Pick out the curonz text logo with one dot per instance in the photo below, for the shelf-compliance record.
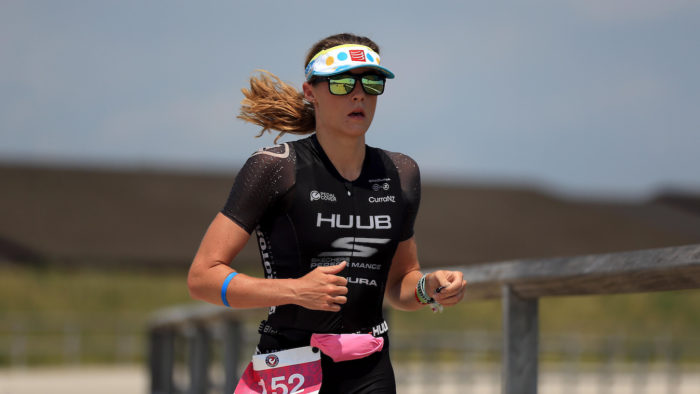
(322, 196)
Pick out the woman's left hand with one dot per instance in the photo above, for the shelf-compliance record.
(450, 283)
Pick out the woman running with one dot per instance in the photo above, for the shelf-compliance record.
(334, 222)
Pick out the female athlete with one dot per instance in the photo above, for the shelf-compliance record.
(334, 221)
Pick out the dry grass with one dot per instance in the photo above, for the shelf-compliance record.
(100, 217)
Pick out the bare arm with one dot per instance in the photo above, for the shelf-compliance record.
(405, 273)
(403, 277)
(320, 289)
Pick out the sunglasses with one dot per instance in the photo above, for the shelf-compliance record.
(342, 84)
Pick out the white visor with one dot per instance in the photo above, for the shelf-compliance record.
(342, 58)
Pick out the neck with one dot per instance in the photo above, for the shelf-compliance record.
(346, 154)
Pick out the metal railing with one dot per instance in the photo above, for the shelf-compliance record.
(32, 338)
(520, 284)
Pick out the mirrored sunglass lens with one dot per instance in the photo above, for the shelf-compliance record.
(341, 85)
(373, 84)
(373, 77)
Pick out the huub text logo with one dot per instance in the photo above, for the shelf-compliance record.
(380, 222)
(323, 196)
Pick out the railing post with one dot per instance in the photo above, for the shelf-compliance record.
(520, 346)
(161, 360)
(233, 338)
(199, 344)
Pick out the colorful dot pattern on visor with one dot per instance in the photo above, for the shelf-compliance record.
(343, 58)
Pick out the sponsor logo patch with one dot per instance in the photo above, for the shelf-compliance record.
(322, 196)
(380, 329)
(272, 360)
(379, 222)
(380, 186)
(382, 199)
(356, 247)
(327, 261)
(266, 255)
(368, 266)
(362, 281)
(357, 55)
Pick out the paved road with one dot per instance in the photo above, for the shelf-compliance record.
(412, 379)
(82, 380)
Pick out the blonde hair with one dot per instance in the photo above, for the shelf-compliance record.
(276, 105)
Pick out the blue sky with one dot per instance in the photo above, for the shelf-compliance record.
(582, 97)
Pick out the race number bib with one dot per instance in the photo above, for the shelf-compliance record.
(293, 371)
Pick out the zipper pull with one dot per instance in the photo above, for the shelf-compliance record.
(348, 187)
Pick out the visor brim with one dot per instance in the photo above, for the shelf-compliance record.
(385, 71)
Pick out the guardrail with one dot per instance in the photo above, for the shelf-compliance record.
(522, 283)
(519, 283)
(199, 325)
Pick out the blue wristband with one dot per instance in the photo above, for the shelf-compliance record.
(224, 287)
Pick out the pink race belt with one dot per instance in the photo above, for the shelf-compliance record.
(299, 370)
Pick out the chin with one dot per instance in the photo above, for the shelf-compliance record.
(355, 132)
(356, 128)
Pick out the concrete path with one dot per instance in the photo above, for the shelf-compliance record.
(411, 379)
(74, 380)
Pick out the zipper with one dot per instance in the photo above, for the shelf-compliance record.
(353, 211)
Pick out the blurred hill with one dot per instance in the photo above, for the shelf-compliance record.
(155, 219)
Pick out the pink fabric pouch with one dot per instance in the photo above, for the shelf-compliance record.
(344, 347)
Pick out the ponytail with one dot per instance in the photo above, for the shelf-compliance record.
(275, 105)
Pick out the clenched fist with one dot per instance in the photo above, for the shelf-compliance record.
(322, 289)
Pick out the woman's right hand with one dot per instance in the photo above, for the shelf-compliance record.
(322, 289)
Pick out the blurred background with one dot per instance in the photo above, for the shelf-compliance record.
(542, 129)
